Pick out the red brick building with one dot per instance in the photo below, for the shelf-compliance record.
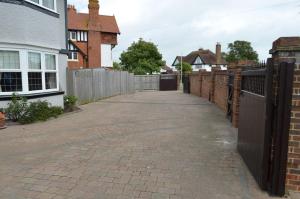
(91, 37)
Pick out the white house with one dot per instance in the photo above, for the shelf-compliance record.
(33, 55)
(203, 59)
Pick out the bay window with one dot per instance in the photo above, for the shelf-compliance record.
(50, 72)
(27, 72)
(35, 71)
(10, 72)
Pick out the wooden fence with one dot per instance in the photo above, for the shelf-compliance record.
(146, 82)
(90, 85)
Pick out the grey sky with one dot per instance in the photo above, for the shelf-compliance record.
(181, 26)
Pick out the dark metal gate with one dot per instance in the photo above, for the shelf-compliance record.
(230, 96)
(186, 83)
(264, 124)
(168, 82)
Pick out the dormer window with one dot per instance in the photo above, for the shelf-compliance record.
(47, 4)
(198, 61)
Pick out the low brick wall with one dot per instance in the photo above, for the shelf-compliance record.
(206, 85)
(195, 84)
(213, 86)
(221, 89)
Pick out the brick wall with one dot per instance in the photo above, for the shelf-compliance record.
(293, 166)
(212, 86)
(206, 85)
(221, 89)
(195, 84)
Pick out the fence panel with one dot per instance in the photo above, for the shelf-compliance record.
(90, 85)
(146, 82)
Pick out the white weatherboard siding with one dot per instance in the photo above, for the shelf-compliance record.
(106, 55)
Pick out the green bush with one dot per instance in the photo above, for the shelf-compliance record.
(70, 102)
(40, 111)
(19, 110)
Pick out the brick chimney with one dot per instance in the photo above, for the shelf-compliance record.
(218, 54)
(93, 10)
(72, 9)
(94, 35)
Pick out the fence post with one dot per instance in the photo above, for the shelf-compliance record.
(236, 97)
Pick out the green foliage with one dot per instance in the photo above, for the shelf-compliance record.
(19, 110)
(117, 66)
(70, 102)
(40, 111)
(142, 58)
(186, 67)
(241, 50)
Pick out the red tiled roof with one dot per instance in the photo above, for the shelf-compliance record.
(79, 21)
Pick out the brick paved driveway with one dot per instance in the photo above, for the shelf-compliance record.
(148, 145)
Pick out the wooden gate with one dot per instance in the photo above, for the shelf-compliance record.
(168, 82)
(264, 124)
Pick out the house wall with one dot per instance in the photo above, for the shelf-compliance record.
(57, 100)
(106, 55)
(109, 38)
(80, 63)
(24, 25)
(31, 28)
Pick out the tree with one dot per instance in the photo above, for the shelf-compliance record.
(186, 67)
(241, 50)
(117, 66)
(142, 58)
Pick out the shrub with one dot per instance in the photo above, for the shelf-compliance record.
(70, 102)
(17, 108)
(40, 111)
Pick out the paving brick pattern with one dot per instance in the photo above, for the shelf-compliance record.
(150, 145)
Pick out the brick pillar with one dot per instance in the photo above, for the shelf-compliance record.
(212, 83)
(284, 49)
(236, 97)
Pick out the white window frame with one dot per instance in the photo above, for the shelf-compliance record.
(24, 69)
(40, 4)
(51, 71)
(14, 70)
(29, 70)
(71, 38)
(72, 56)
